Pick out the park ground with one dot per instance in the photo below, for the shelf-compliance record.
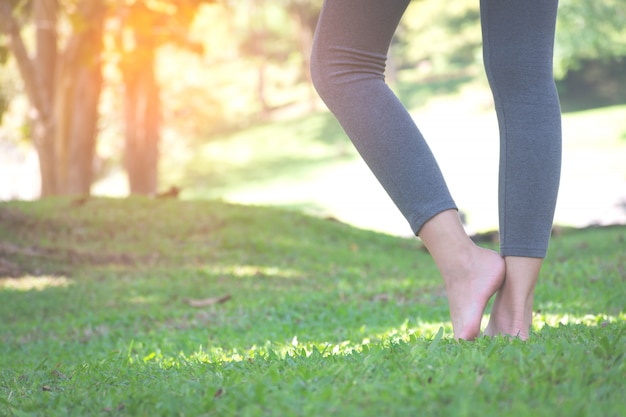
(163, 307)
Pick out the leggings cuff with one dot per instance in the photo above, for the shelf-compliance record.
(419, 220)
(523, 252)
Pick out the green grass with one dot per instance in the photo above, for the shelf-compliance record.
(322, 319)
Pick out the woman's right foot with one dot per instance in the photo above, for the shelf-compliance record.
(506, 320)
(512, 310)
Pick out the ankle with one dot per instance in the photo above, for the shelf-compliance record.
(446, 240)
(457, 261)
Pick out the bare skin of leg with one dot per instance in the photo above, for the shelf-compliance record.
(472, 274)
(512, 310)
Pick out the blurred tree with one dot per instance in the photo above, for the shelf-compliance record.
(262, 44)
(143, 27)
(589, 30)
(63, 83)
(446, 33)
(4, 100)
(304, 14)
(63, 87)
(78, 86)
(439, 36)
(275, 31)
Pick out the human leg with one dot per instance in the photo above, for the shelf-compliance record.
(518, 38)
(348, 64)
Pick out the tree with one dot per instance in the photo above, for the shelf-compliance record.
(276, 30)
(63, 83)
(63, 87)
(79, 83)
(304, 14)
(589, 30)
(144, 27)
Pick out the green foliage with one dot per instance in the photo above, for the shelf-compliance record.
(9, 89)
(4, 105)
(447, 33)
(4, 54)
(589, 30)
(443, 35)
(323, 319)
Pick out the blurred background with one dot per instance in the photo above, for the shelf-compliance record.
(212, 100)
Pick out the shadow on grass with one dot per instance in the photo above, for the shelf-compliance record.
(594, 84)
(144, 258)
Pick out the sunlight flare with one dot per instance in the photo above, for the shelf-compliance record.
(251, 271)
(31, 282)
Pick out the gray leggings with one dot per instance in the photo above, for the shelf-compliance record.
(348, 64)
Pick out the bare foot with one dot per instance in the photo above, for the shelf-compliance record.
(470, 287)
(472, 274)
(506, 320)
(511, 314)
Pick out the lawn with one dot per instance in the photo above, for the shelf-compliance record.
(162, 307)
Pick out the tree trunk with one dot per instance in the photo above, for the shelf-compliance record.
(45, 12)
(43, 138)
(305, 36)
(260, 88)
(77, 98)
(83, 131)
(143, 119)
(33, 74)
